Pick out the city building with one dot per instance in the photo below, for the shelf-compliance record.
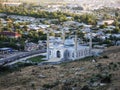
(10, 34)
(31, 46)
(10, 3)
(109, 22)
(6, 50)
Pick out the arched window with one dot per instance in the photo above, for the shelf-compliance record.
(89, 51)
(49, 52)
(82, 53)
(73, 55)
(79, 53)
(85, 52)
(58, 54)
(68, 54)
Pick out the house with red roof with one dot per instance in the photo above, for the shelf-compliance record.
(10, 34)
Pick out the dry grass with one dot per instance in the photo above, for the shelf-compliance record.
(78, 73)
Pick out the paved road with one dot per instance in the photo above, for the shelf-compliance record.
(24, 58)
(19, 56)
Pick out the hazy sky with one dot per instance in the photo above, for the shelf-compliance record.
(80, 1)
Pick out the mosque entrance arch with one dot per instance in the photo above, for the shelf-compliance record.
(58, 54)
(66, 55)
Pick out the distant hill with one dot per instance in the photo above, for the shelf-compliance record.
(78, 1)
(84, 3)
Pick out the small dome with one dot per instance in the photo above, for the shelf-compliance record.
(69, 42)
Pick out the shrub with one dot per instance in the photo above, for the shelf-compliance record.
(105, 56)
(106, 79)
(48, 86)
(86, 87)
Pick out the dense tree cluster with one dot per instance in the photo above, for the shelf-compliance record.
(31, 11)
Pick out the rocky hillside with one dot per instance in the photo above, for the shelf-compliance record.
(102, 73)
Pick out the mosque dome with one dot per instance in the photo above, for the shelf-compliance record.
(69, 42)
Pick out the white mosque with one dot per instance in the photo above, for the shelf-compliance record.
(61, 49)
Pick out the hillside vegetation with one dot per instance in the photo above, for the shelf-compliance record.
(79, 75)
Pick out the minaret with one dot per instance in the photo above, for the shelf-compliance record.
(90, 41)
(76, 44)
(48, 45)
(63, 35)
